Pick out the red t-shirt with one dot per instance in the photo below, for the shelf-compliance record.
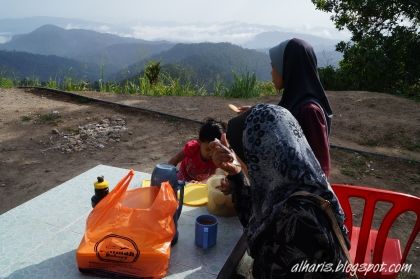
(314, 125)
(193, 167)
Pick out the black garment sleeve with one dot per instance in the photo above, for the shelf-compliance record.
(241, 197)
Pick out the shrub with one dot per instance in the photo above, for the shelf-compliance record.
(152, 71)
(6, 82)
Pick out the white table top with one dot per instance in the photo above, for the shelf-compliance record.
(39, 238)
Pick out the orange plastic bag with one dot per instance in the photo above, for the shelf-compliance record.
(129, 232)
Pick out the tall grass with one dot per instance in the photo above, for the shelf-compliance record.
(165, 86)
(219, 87)
(29, 81)
(52, 83)
(245, 85)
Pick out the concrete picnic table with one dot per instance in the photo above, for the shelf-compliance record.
(39, 238)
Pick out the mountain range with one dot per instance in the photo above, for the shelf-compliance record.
(119, 58)
(324, 48)
(204, 63)
(110, 51)
(21, 65)
(16, 26)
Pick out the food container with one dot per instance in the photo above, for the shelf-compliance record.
(218, 203)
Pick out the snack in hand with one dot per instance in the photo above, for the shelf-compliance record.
(234, 108)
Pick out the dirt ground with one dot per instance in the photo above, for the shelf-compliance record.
(368, 121)
(30, 166)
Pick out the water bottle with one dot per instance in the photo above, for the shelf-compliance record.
(101, 190)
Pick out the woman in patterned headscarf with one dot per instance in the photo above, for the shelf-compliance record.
(281, 231)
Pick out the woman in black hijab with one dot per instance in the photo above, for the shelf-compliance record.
(305, 97)
(294, 69)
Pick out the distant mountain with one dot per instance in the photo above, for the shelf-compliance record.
(206, 62)
(87, 46)
(20, 65)
(14, 26)
(328, 58)
(53, 40)
(270, 39)
(324, 48)
(118, 56)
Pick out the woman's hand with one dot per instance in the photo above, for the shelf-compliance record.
(223, 157)
(224, 186)
(243, 108)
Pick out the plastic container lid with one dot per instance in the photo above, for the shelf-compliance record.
(101, 183)
(195, 194)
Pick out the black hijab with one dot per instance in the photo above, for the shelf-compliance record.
(301, 80)
(234, 134)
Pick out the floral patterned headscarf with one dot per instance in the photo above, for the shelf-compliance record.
(280, 162)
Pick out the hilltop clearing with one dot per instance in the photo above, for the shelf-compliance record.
(46, 139)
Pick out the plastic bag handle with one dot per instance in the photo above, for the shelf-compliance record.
(112, 198)
(118, 190)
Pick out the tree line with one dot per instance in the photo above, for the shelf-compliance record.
(384, 51)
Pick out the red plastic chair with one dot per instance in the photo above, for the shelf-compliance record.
(373, 246)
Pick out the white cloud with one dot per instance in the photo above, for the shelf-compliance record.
(98, 28)
(5, 37)
(197, 32)
(328, 33)
(234, 32)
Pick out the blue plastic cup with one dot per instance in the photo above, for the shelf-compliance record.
(205, 231)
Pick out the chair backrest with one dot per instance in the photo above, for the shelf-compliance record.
(400, 203)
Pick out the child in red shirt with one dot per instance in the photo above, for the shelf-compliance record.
(195, 157)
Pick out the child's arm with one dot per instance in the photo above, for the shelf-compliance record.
(177, 158)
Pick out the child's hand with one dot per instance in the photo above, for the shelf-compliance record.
(223, 157)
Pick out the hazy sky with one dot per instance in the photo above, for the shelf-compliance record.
(145, 16)
(269, 12)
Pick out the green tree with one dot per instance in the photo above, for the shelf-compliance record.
(384, 50)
